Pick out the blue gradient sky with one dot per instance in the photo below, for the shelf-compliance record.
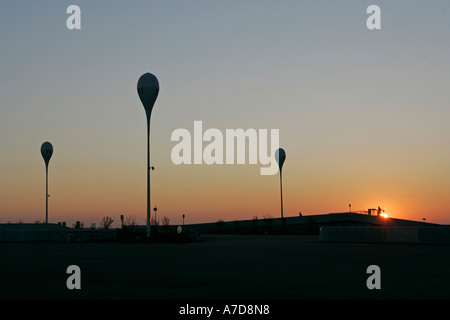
(363, 115)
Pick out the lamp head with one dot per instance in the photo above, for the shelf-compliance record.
(46, 151)
(148, 89)
(280, 156)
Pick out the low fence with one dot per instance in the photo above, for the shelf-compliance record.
(381, 234)
(24, 232)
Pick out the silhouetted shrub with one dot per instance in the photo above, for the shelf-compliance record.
(106, 222)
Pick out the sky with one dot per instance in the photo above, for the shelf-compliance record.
(363, 115)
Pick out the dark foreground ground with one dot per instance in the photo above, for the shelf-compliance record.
(230, 267)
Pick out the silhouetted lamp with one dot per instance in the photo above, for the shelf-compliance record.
(280, 156)
(148, 89)
(46, 151)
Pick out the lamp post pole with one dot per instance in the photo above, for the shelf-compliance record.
(46, 152)
(148, 89)
(46, 193)
(148, 177)
(280, 156)
(281, 194)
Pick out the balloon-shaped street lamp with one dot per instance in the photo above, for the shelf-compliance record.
(280, 156)
(148, 89)
(46, 151)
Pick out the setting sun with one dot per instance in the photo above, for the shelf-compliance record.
(384, 215)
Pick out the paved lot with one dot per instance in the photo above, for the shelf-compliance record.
(224, 267)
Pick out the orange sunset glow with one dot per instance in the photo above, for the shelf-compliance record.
(363, 121)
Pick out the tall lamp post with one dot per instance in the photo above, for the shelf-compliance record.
(280, 156)
(46, 152)
(148, 89)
